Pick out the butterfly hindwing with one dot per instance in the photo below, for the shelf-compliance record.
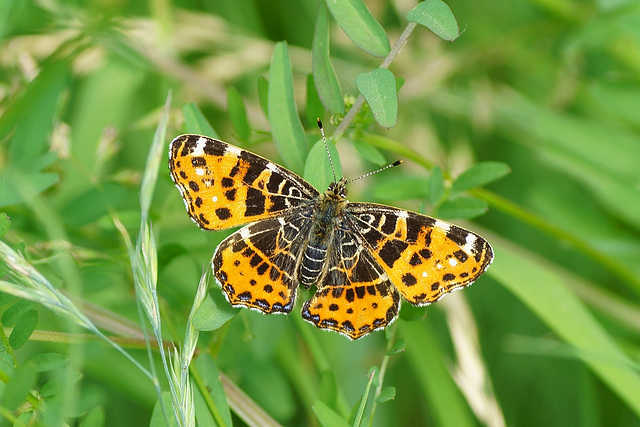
(225, 186)
(425, 258)
(355, 296)
(256, 265)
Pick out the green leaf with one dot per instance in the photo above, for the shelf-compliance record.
(324, 76)
(18, 186)
(94, 418)
(23, 329)
(373, 375)
(238, 114)
(436, 16)
(59, 382)
(28, 122)
(379, 89)
(11, 316)
(436, 186)
(94, 203)
(386, 394)
(550, 297)
(214, 312)
(157, 416)
(195, 122)
(48, 361)
(480, 174)
(314, 109)
(411, 313)
(436, 382)
(360, 26)
(286, 128)
(317, 169)
(5, 224)
(397, 347)
(462, 208)
(402, 188)
(369, 152)
(327, 417)
(210, 378)
(18, 386)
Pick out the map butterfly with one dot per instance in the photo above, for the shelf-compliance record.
(361, 257)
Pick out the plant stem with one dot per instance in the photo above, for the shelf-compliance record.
(348, 118)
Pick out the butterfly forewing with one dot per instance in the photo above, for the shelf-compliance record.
(225, 186)
(425, 258)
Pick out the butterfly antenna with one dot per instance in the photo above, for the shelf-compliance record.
(326, 145)
(396, 163)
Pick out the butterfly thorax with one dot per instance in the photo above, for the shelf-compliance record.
(326, 220)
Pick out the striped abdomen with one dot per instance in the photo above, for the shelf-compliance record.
(312, 263)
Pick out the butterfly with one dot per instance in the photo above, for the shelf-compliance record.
(361, 257)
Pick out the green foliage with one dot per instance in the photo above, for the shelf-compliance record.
(536, 101)
(436, 16)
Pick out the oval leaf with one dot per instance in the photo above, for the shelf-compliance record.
(360, 26)
(480, 174)
(317, 169)
(324, 76)
(13, 314)
(436, 16)
(369, 152)
(286, 128)
(386, 394)
(23, 329)
(462, 208)
(19, 384)
(214, 311)
(238, 114)
(48, 361)
(379, 89)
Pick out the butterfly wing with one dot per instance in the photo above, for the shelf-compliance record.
(256, 266)
(425, 258)
(355, 296)
(225, 186)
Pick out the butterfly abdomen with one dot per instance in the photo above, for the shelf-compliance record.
(312, 263)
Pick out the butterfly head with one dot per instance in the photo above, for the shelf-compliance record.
(338, 190)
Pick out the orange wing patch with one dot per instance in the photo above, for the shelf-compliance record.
(255, 266)
(425, 258)
(356, 296)
(224, 186)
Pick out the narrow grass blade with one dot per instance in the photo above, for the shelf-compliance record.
(548, 296)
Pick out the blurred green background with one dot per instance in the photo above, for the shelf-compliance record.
(549, 336)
